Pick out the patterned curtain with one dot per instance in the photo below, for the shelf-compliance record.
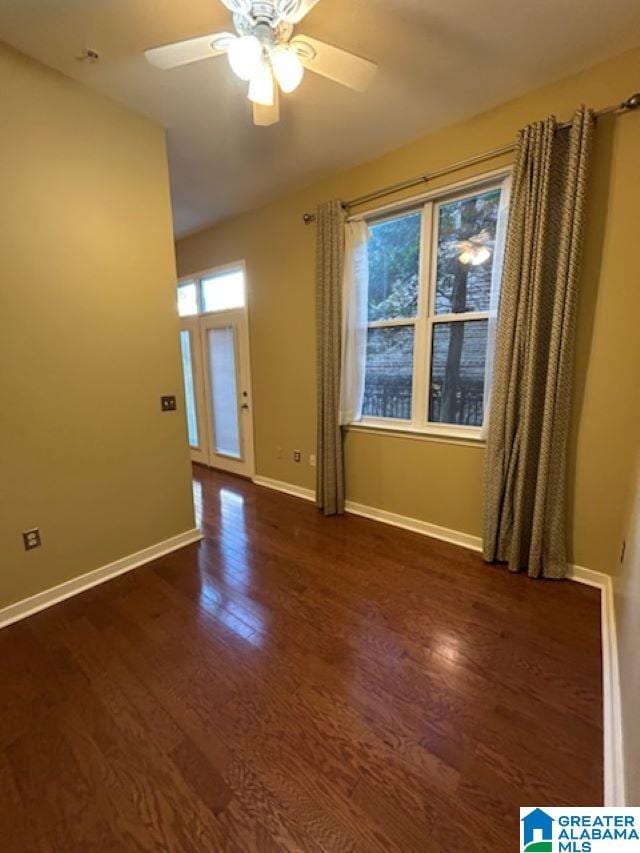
(330, 221)
(525, 465)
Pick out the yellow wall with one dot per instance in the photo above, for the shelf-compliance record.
(89, 333)
(436, 481)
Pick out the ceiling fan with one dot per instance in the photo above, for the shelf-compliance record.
(265, 52)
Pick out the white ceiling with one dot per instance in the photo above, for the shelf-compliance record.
(440, 61)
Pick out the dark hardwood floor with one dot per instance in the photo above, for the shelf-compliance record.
(299, 683)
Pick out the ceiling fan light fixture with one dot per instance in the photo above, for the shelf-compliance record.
(245, 56)
(269, 54)
(261, 86)
(287, 67)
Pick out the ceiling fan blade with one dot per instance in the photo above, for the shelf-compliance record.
(295, 10)
(333, 62)
(192, 50)
(267, 116)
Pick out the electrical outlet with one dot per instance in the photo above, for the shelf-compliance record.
(297, 456)
(312, 460)
(31, 538)
(168, 403)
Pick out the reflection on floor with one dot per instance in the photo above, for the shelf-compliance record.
(299, 683)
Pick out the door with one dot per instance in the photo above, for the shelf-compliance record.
(191, 355)
(225, 357)
(214, 346)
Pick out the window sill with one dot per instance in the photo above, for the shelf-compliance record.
(469, 437)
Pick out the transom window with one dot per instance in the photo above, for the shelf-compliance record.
(218, 291)
(433, 281)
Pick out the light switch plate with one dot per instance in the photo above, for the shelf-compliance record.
(168, 403)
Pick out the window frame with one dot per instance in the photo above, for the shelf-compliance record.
(426, 318)
(198, 277)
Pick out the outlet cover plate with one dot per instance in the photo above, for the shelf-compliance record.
(31, 538)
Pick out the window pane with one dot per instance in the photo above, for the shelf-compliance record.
(389, 372)
(223, 291)
(189, 392)
(187, 299)
(466, 239)
(224, 391)
(457, 372)
(394, 258)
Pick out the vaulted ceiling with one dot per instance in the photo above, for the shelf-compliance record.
(440, 61)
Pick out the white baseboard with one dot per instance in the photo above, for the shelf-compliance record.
(41, 600)
(614, 779)
(455, 537)
(287, 488)
(614, 773)
(465, 540)
(586, 576)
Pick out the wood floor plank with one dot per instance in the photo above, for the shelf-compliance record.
(298, 683)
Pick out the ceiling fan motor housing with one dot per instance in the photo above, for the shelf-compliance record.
(267, 28)
(263, 10)
(276, 10)
(272, 12)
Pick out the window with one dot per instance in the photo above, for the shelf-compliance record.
(217, 291)
(224, 391)
(187, 299)
(189, 387)
(433, 277)
(223, 291)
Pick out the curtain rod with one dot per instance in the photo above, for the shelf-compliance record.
(631, 103)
